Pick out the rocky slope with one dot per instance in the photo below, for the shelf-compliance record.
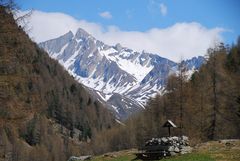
(122, 78)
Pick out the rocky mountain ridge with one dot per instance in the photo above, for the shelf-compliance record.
(122, 78)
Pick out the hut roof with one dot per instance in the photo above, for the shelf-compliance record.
(169, 123)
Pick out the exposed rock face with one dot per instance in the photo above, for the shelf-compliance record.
(114, 72)
(169, 145)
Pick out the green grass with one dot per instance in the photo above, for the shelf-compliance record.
(210, 151)
(119, 158)
(186, 157)
(191, 157)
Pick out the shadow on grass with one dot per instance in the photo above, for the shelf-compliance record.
(147, 157)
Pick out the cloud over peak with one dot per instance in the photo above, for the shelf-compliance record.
(179, 40)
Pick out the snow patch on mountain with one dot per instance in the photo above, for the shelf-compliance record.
(122, 78)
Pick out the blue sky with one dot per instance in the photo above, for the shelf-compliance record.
(136, 15)
(145, 15)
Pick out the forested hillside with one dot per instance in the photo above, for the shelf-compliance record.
(44, 113)
(204, 107)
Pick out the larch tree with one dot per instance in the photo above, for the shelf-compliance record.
(182, 77)
(214, 76)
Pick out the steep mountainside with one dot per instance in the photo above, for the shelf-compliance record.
(114, 72)
(44, 113)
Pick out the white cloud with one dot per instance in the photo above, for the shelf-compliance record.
(163, 9)
(180, 40)
(106, 15)
(45, 26)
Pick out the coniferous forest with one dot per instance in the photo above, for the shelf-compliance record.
(205, 106)
(44, 112)
(46, 115)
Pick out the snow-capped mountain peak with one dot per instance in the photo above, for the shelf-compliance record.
(122, 78)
